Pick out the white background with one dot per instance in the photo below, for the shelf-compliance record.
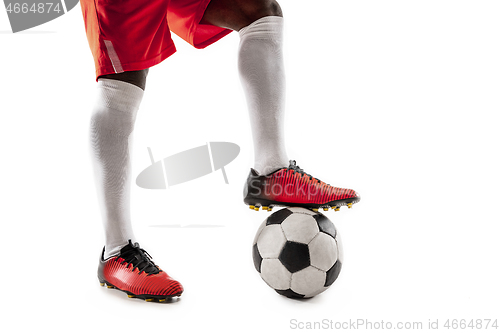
(398, 100)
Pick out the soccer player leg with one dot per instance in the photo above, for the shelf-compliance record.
(123, 265)
(111, 127)
(260, 63)
(274, 181)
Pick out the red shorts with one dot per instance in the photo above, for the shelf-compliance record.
(128, 35)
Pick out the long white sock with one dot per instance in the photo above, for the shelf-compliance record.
(111, 126)
(262, 73)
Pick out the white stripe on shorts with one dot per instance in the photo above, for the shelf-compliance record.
(115, 61)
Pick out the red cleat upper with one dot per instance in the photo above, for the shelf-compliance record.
(133, 272)
(293, 186)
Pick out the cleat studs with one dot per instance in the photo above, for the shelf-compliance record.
(257, 208)
(162, 300)
(252, 207)
(269, 209)
(315, 209)
(265, 208)
(349, 205)
(325, 209)
(102, 284)
(131, 296)
(149, 299)
(109, 287)
(337, 209)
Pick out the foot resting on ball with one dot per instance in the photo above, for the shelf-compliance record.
(133, 272)
(291, 186)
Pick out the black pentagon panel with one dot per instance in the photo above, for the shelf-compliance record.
(289, 293)
(295, 256)
(257, 259)
(333, 274)
(279, 216)
(325, 225)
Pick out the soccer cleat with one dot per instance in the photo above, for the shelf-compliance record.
(133, 272)
(293, 187)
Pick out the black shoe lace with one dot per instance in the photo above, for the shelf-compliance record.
(137, 257)
(293, 166)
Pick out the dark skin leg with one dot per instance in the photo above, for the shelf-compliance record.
(229, 14)
(137, 78)
(237, 14)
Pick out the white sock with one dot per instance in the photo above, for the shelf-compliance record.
(262, 73)
(111, 126)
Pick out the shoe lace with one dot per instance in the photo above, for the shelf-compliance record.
(293, 166)
(139, 258)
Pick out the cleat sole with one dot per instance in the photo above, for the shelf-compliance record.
(257, 206)
(334, 205)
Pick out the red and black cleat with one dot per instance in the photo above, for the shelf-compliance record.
(133, 272)
(293, 187)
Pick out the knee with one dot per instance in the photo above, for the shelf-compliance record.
(115, 108)
(258, 9)
(272, 8)
(107, 123)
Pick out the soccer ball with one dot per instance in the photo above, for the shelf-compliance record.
(297, 252)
